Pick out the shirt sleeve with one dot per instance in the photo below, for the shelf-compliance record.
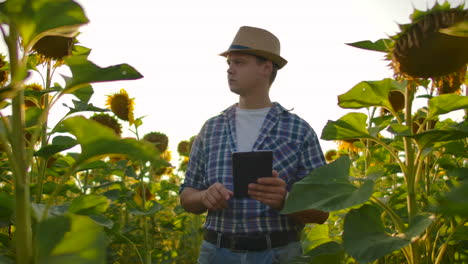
(311, 155)
(196, 166)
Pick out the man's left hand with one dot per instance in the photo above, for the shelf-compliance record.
(269, 190)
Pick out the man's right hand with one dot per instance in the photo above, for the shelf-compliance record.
(216, 197)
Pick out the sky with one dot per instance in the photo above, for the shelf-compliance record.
(175, 45)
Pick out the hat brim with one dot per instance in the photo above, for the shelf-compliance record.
(278, 60)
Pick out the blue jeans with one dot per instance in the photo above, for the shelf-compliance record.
(210, 254)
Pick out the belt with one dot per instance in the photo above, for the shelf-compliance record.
(255, 242)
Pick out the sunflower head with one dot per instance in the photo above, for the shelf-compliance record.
(54, 47)
(159, 140)
(33, 97)
(138, 196)
(421, 50)
(348, 146)
(109, 121)
(4, 73)
(122, 105)
(451, 83)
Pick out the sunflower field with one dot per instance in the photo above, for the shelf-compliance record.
(77, 191)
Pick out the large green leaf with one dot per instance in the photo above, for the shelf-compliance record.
(85, 72)
(381, 45)
(351, 125)
(446, 103)
(444, 133)
(370, 93)
(365, 237)
(89, 204)
(97, 140)
(328, 189)
(36, 19)
(70, 238)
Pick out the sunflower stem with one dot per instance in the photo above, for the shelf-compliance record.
(23, 233)
(44, 139)
(410, 168)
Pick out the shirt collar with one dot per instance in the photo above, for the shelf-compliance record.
(277, 109)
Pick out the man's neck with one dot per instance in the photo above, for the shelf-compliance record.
(254, 103)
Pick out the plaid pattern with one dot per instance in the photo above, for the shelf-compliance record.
(296, 152)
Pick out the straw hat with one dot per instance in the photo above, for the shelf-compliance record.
(258, 42)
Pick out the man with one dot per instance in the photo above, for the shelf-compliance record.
(250, 230)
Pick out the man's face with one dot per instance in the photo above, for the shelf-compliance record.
(244, 73)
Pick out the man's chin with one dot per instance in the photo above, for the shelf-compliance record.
(234, 90)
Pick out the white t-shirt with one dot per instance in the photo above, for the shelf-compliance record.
(248, 125)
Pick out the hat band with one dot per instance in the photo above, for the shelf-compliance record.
(238, 47)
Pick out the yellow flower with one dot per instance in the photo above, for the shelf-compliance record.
(122, 105)
(348, 146)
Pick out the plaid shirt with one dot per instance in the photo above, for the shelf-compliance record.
(296, 152)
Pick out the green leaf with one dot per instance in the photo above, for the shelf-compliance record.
(370, 93)
(381, 45)
(365, 238)
(50, 232)
(59, 144)
(102, 221)
(82, 106)
(458, 30)
(70, 239)
(446, 103)
(6, 206)
(85, 72)
(455, 202)
(89, 204)
(153, 208)
(32, 116)
(351, 125)
(315, 237)
(84, 93)
(327, 253)
(46, 18)
(445, 133)
(327, 188)
(399, 129)
(97, 140)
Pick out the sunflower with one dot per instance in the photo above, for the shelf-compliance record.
(109, 121)
(122, 105)
(423, 49)
(159, 140)
(348, 145)
(4, 74)
(33, 96)
(138, 196)
(54, 47)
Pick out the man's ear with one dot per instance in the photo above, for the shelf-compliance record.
(268, 67)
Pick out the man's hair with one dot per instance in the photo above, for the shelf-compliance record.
(274, 71)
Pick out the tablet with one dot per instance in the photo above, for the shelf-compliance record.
(247, 167)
